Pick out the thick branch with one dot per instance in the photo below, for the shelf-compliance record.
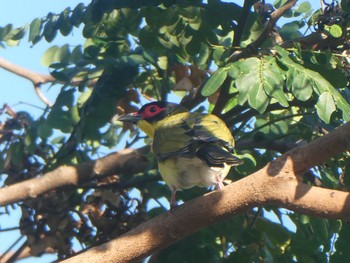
(116, 163)
(275, 184)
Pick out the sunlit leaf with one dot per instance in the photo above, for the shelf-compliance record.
(325, 106)
(49, 56)
(214, 82)
(34, 30)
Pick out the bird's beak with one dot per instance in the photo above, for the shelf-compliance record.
(131, 117)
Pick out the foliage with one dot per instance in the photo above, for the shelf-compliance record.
(291, 87)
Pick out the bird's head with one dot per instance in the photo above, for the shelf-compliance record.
(149, 114)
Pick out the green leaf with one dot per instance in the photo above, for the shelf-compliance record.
(244, 85)
(203, 55)
(77, 16)
(50, 31)
(334, 30)
(258, 80)
(60, 76)
(65, 26)
(342, 252)
(17, 153)
(273, 81)
(319, 83)
(273, 88)
(290, 30)
(91, 52)
(257, 98)
(301, 85)
(134, 59)
(304, 7)
(44, 130)
(233, 71)
(34, 29)
(276, 236)
(58, 140)
(325, 106)
(63, 54)
(220, 55)
(162, 62)
(4, 31)
(76, 55)
(320, 229)
(18, 33)
(83, 98)
(49, 56)
(345, 5)
(214, 82)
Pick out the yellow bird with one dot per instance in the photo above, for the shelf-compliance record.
(192, 149)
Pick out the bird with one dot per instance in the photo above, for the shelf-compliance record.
(191, 148)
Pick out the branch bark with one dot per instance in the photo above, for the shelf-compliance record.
(275, 184)
(37, 78)
(266, 33)
(115, 163)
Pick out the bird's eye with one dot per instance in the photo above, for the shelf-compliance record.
(153, 109)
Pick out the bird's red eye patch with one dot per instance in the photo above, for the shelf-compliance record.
(151, 111)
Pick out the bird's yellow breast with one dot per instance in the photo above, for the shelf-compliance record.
(184, 173)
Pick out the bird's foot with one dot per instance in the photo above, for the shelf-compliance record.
(219, 184)
(173, 202)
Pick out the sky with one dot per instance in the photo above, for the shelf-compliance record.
(15, 89)
(20, 13)
(19, 92)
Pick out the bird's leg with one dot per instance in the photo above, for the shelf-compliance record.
(173, 198)
(219, 184)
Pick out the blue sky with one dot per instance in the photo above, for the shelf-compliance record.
(19, 13)
(15, 89)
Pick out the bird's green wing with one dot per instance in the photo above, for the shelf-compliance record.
(195, 135)
(171, 138)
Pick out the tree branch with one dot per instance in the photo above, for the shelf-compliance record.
(252, 47)
(115, 163)
(275, 184)
(38, 79)
(247, 5)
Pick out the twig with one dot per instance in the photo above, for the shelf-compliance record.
(252, 47)
(277, 14)
(11, 247)
(36, 78)
(242, 22)
(9, 229)
(39, 79)
(18, 252)
(223, 97)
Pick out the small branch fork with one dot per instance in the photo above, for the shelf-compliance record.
(38, 79)
(253, 47)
